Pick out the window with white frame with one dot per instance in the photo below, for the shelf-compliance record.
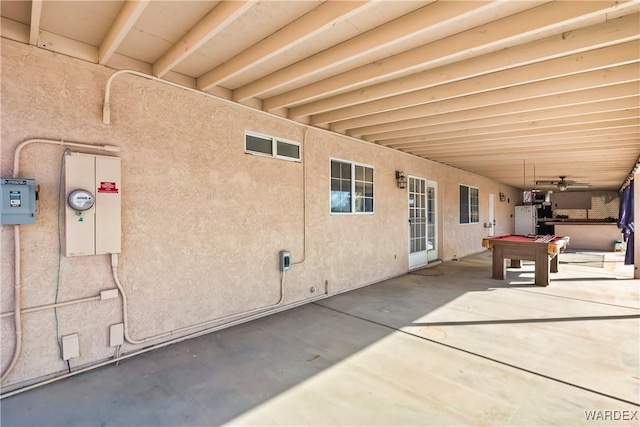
(469, 206)
(351, 187)
(263, 145)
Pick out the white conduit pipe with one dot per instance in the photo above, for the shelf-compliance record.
(17, 294)
(125, 316)
(106, 109)
(17, 297)
(48, 306)
(304, 200)
(163, 344)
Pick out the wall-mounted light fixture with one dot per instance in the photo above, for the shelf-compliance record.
(503, 197)
(401, 179)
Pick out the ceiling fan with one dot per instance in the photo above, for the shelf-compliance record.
(564, 184)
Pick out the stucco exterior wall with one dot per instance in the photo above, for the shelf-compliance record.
(202, 222)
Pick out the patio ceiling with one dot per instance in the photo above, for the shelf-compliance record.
(498, 88)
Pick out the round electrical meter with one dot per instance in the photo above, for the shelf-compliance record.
(80, 200)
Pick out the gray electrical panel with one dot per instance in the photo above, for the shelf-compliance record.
(18, 201)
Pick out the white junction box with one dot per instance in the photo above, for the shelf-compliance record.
(70, 346)
(93, 204)
(116, 335)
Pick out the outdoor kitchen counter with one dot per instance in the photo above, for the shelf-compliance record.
(554, 221)
(587, 234)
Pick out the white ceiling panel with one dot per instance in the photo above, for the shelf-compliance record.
(83, 21)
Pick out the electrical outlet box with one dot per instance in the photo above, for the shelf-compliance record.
(93, 219)
(18, 201)
(285, 260)
(70, 346)
(116, 335)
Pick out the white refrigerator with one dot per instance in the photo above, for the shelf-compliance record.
(526, 220)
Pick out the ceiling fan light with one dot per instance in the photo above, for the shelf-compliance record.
(562, 186)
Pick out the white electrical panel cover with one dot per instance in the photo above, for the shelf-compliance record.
(108, 215)
(93, 230)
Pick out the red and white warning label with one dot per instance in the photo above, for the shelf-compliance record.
(107, 187)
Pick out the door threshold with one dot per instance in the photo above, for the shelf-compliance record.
(433, 263)
(429, 264)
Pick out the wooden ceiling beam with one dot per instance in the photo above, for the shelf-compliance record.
(610, 127)
(604, 136)
(515, 166)
(126, 19)
(617, 147)
(578, 135)
(572, 145)
(478, 159)
(542, 169)
(532, 134)
(34, 23)
(550, 147)
(489, 128)
(211, 24)
(577, 112)
(500, 43)
(566, 101)
(319, 19)
(583, 43)
(531, 91)
(607, 170)
(436, 14)
(612, 56)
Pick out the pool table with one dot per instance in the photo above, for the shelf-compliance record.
(543, 250)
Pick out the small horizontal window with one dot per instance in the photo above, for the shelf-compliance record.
(269, 146)
(258, 144)
(286, 149)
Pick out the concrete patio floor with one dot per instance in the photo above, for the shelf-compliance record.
(452, 349)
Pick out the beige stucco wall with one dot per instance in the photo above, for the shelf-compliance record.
(203, 222)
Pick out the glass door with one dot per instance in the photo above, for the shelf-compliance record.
(432, 221)
(417, 222)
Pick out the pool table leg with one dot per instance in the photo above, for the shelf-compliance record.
(554, 264)
(542, 267)
(497, 263)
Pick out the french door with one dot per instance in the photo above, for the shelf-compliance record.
(423, 222)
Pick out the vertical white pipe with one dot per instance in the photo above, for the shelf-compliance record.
(17, 300)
